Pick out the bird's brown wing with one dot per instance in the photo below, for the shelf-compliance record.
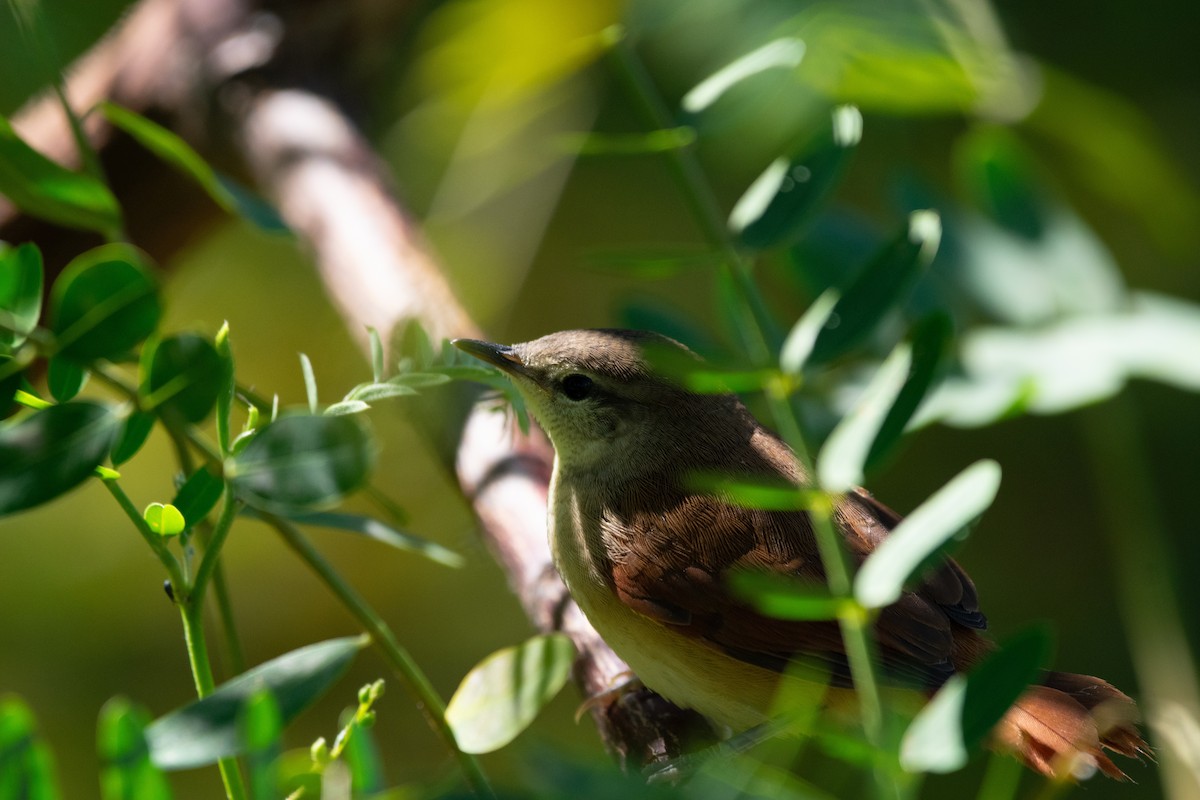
(671, 562)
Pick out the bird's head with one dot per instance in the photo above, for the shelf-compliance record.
(596, 393)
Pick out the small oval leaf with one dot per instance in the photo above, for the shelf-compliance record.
(183, 373)
(127, 772)
(165, 520)
(104, 303)
(20, 294)
(504, 692)
(52, 451)
(303, 461)
(134, 431)
(207, 729)
(65, 379)
(198, 495)
(924, 532)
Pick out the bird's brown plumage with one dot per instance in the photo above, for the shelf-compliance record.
(631, 531)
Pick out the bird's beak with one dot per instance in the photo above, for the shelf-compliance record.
(498, 355)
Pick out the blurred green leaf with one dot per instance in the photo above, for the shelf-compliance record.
(967, 707)
(135, 429)
(198, 495)
(649, 314)
(380, 532)
(776, 209)
(924, 533)
(800, 340)
(346, 407)
(747, 493)
(64, 379)
(51, 451)
(783, 53)
(103, 303)
(930, 347)
(502, 694)
(652, 263)
(20, 294)
(261, 729)
(184, 373)
(298, 462)
(26, 766)
(783, 597)
(1000, 178)
(126, 770)
(206, 730)
(843, 457)
(179, 154)
(381, 391)
(363, 759)
(879, 287)
(226, 389)
(165, 520)
(376, 354)
(10, 384)
(310, 382)
(419, 380)
(43, 189)
(629, 144)
(253, 208)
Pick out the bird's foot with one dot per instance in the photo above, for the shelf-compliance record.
(683, 767)
(620, 684)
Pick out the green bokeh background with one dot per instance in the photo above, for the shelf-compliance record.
(84, 616)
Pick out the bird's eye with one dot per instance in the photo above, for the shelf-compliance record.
(576, 386)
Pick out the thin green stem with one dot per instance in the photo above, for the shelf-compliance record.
(233, 644)
(757, 332)
(178, 579)
(397, 657)
(212, 552)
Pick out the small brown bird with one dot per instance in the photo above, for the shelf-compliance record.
(646, 555)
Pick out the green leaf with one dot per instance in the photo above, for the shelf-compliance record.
(843, 456)
(783, 597)
(299, 462)
(10, 384)
(800, 340)
(26, 766)
(1000, 178)
(206, 730)
(930, 348)
(380, 532)
(381, 391)
(261, 728)
(183, 373)
(180, 155)
(782, 53)
(226, 389)
(20, 294)
(879, 287)
(255, 209)
(126, 770)
(103, 303)
(346, 407)
(652, 263)
(165, 520)
(924, 533)
(964, 711)
(198, 495)
(43, 189)
(655, 142)
(51, 451)
(376, 355)
(135, 429)
(65, 379)
(503, 694)
(419, 380)
(310, 382)
(768, 496)
(776, 209)
(363, 759)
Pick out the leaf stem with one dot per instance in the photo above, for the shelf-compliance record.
(212, 552)
(397, 657)
(179, 582)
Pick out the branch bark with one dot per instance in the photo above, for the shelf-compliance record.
(227, 73)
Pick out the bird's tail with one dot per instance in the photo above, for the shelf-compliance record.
(1063, 726)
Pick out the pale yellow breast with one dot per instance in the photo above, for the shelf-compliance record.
(682, 669)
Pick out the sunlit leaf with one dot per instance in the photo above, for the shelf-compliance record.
(784, 53)
(261, 728)
(310, 382)
(748, 493)
(165, 520)
(184, 373)
(879, 287)
(43, 189)
(299, 462)
(504, 692)
(346, 407)
(923, 533)
(126, 770)
(381, 391)
(800, 340)
(776, 209)
(1000, 179)
(26, 766)
(843, 457)
(783, 597)
(103, 303)
(199, 493)
(64, 379)
(380, 532)
(964, 711)
(52, 451)
(419, 380)
(930, 347)
(207, 730)
(20, 294)
(629, 144)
